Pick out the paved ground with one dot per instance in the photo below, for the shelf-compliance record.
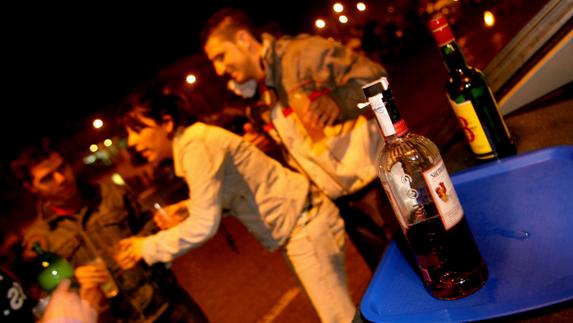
(253, 285)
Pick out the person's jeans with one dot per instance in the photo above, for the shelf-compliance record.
(315, 252)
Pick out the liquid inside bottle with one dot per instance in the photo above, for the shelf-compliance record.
(427, 207)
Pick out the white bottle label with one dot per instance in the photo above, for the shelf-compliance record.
(443, 194)
(381, 114)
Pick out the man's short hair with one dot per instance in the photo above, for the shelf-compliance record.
(30, 156)
(225, 23)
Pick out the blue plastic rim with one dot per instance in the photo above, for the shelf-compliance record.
(520, 212)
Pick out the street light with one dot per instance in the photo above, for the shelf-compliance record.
(360, 6)
(191, 79)
(320, 23)
(488, 18)
(343, 19)
(338, 7)
(97, 123)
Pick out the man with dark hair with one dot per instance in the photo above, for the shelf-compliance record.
(75, 217)
(325, 138)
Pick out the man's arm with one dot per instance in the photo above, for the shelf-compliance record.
(206, 179)
(329, 68)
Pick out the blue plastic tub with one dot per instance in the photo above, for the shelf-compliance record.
(520, 211)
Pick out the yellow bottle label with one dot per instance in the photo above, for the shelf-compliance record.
(472, 128)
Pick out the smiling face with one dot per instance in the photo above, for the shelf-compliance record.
(239, 59)
(151, 139)
(53, 179)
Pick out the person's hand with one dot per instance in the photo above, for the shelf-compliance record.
(92, 275)
(130, 252)
(28, 252)
(258, 139)
(323, 111)
(171, 215)
(67, 306)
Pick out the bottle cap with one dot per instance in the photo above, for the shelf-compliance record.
(441, 30)
(376, 87)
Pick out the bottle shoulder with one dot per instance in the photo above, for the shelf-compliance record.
(463, 82)
(416, 151)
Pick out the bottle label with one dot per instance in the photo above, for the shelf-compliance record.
(473, 131)
(382, 115)
(443, 194)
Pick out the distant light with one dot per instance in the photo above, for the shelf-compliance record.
(107, 142)
(343, 19)
(88, 160)
(488, 18)
(117, 179)
(93, 148)
(98, 123)
(360, 6)
(338, 7)
(319, 23)
(191, 79)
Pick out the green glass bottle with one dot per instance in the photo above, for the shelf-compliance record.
(472, 100)
(52, 268)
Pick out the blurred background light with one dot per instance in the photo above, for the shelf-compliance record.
(191, 79)
(488, 18)
(338, 7)
(98, 123)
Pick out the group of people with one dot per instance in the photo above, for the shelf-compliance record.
(302, 93)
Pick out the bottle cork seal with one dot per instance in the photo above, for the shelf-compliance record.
(441, 30)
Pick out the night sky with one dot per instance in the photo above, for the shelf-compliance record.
(63, 64)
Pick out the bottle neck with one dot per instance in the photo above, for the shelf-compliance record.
(37, 249)
(388, 116)
(453, 57)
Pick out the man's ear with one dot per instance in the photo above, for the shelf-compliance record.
(29, 187)
(243, 39)
(168, 124)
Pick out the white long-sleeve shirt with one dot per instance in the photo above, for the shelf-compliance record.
(225, 172)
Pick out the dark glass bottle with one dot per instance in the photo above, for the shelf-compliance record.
(472, 100)
(52, 268)
(425, 203)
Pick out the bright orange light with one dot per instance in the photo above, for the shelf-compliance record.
(107, 142)
(98, 123)
(360, 6)
(93, 148)
(488, 18)
(191, 79)
(343, 19)
(338, 7)
(319, 23)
